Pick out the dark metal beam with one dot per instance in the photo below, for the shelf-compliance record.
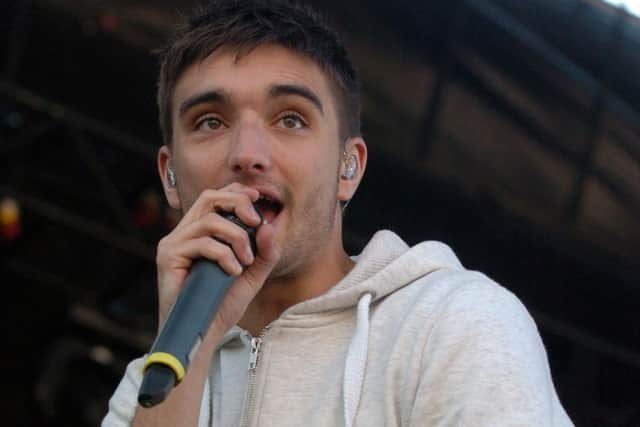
(586, 339)
(82, 314)
(36, 274)
(539, 134)
(28, 136)
(82, 225)
(443, 67)
(78, 120)
(94, 319)
(111, 194)
(538, 47)
(596, 122)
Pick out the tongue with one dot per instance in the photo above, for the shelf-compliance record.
(267, 211)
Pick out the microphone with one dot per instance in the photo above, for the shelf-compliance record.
(186, 325)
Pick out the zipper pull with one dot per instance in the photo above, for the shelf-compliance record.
(255, 350)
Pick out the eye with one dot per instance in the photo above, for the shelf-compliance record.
(291, 121)
(209, 123)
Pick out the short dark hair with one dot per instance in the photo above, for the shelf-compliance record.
(245, 25)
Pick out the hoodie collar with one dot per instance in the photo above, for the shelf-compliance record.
(386, 264)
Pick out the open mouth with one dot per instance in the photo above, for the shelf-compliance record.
(269, 207)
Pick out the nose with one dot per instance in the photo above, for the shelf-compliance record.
(250, 151)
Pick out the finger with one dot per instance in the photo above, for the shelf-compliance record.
(241, 188)
(175, 260)
(215, 226)
(267, 245)
(215, 251)
(240, 203)
(267, 256)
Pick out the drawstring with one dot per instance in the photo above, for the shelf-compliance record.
(356, 360)
(206, 414)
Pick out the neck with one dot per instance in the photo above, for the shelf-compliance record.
(310, 281)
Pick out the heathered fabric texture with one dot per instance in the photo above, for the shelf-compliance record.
(447, 347)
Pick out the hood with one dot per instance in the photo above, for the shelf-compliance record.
(385, 265)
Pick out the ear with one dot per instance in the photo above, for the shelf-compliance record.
(347, 187)
(170, 191)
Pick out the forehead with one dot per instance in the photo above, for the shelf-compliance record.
(248, 77)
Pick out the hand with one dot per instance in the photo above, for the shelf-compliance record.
(200, 234)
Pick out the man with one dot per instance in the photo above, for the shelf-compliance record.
(259, 109)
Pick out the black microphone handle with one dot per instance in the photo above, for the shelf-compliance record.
(185, 327)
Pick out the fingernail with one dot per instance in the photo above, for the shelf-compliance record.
(255, 214)
(249, 253)
(239, 269)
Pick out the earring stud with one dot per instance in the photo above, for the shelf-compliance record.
(171, 176)
(350, 166)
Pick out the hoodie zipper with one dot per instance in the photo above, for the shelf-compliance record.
(254, 358)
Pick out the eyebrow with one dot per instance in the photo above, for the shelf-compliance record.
(280, 90)
(275, 91)
(209, 97)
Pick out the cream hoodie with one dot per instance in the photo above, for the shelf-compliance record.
(407, 338)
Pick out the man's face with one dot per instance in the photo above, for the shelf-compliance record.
(267, 121)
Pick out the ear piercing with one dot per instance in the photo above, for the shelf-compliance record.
(171, 176)
(350, 166)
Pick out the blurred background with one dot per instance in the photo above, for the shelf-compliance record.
(505, 128)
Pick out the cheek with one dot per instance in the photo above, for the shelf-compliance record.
(313, 168)
(320, 180)
(199, 169)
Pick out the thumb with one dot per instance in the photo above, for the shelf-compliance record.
(249, 283)
(268, 254)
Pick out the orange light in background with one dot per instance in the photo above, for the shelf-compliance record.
(148, 210)
(9, 219)
(108, 22)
